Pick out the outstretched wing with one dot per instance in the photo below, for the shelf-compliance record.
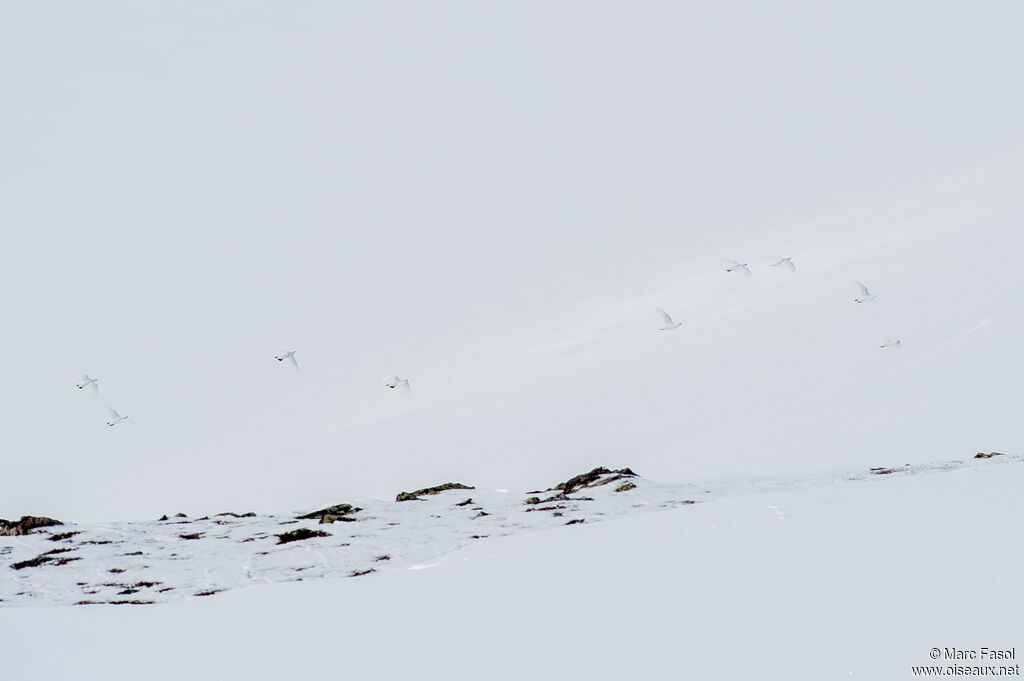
(291, 358)
(664, 316)
(113, 412)
(863, 289)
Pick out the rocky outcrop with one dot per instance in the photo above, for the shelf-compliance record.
(415, 496)
(594, 478)
(983, 455)
(15, 528)
(332, 514)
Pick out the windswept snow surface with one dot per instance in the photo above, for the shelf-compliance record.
(820, 581)
(176, 558)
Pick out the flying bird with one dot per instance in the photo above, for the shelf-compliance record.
(290, 356)
(788, 262)
(669, 324)
(88, 380)
(115, 418)
(889, 343)
(734, 266)
(394, 381)
(865, 295)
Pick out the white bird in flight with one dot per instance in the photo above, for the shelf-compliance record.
(115, 418)
(669, 324)
(394, 381)
(290, 356)
(734, 266)
(865, 295)
(88, 380)
(788, 262)
(889, 343)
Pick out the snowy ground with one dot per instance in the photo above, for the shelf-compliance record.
(144, 563)
(830, 577)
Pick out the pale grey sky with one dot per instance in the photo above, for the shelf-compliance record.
(191, 188)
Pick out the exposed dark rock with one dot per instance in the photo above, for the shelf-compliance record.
(532, 500)
(127, 592)
(48, 558)
(162, 518)
(479, 536)
(556, 507)
(208, 593)
(62, 536)
(467, 502)
(337, 511)
(983, 455)
(481, 514)
(625, 487)
(883, 471)
(300, 534)
(133, 553)
(410, 496)
(332, 514)
(561, 496)
(238, 515)
(16, 528)
(576, 521)
(115, 571)
(384, 557)
(195, 535)
(330, 519)
(180, 515)
(145, 585)
(360, 573)
(589, 479)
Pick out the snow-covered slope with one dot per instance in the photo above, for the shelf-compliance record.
(832, 581)
(176, 558)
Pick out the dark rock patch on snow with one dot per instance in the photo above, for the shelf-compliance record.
(983, 455)
(48, 558)
(594, 478)
(332, 514)
(411, 496)
(62, 536)
(16, 528)
(299, 535)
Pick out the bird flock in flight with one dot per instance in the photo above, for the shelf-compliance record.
(396, 382)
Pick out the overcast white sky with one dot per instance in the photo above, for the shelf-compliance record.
(189, 189)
